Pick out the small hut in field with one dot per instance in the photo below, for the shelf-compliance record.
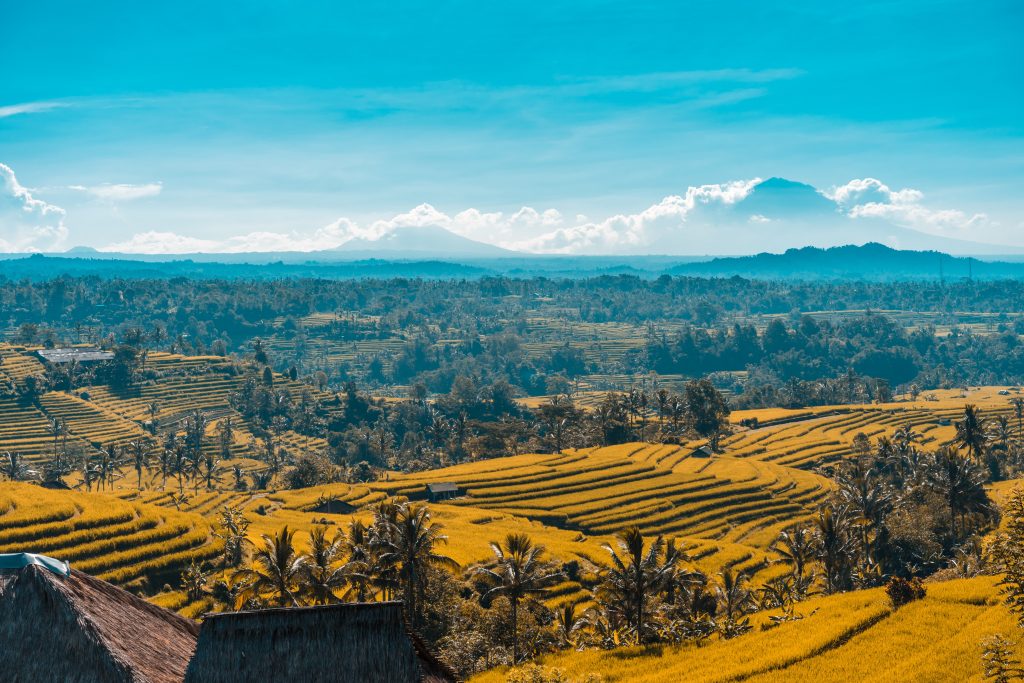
(58, 624)
(365, 643)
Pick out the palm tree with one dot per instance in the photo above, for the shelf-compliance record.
(277, 570)
(971, 432)
(961, 481)
(519, 574)
(1002, 432)
(13, 466)
(356, 547)
(324, 575)
(140, 458)
(796, 547)
(568, 623)
(232, 529)
(1018, 408)
(415, 543)
(734, 600)
(834, 549)
(637, 573)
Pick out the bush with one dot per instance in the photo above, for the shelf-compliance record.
(901, 591)
(312, 470)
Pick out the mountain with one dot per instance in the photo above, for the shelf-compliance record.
(872, 261)
(419, 242)
(779, 214)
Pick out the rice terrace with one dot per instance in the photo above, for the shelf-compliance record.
(617, 342)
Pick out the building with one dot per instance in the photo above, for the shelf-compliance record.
(82, 354)
(442, 491)
(365, 642)
(58, 624)
(702, 452)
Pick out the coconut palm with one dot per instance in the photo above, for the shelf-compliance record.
(971, 432)
(638, 572)
(568, 623)
(1002, 432)
(961, 481)
(519, 573)
(834, 546)
(796, 547)
(356, 547)
(1018, 409)
(14, 467)
(324, 573)
(140, 450)
(734, 597)
(277, 570)
(414, 543)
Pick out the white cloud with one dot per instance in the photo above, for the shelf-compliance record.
(471, 223)
(705, 219)
(647, 230)
(870, 190)
(871, 198)
(121, 192)
(29, 108)
(26, 223)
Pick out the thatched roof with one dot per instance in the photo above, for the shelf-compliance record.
(364, 642)
(443, 487)
(79, 629)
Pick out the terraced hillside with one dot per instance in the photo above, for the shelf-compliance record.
(848, 637)
(663, 489)
(126, 543)
(171, 388)
(815, 437)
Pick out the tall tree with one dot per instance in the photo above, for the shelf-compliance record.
(277, 571)
(519, 573)
(637, 573)
(325, 575)
(972, 432)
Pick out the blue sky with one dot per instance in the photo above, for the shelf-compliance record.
(217, 126)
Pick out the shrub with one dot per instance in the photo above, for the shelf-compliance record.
(902, 591)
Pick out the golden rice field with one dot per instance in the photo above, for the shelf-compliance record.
(854, 636)
(98, 417)
(120, 541)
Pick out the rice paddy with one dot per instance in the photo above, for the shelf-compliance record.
(854, 636)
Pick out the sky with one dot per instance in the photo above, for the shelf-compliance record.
(541, 126)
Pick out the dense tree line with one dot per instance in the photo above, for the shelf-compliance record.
(480, 329)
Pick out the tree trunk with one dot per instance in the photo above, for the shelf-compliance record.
(515, 631)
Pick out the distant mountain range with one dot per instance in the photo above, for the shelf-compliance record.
(420, 241)
(779, 214)
(773, 215)
(870, 262)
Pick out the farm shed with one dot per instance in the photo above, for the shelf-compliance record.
(347, 642)
(82, 354)
(442, 491)
(702, 452)
(58, 624)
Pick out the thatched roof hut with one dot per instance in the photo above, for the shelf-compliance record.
(58, 624)
(365, 642)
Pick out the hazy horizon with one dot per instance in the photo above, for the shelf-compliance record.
(544, 128)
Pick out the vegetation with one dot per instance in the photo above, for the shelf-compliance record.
(624, 506)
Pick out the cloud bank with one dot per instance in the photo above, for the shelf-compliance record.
(739, 216)
(705, 219)
(27, 224)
